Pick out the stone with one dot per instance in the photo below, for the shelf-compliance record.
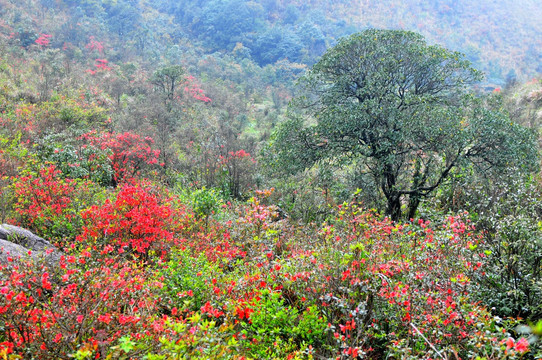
(17, 244)
(9, 250)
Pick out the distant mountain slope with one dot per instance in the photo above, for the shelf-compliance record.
(501, 37)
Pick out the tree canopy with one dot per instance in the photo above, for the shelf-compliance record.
(402, 109)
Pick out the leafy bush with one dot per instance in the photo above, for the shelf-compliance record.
(75, 158)
(138, 221)
(204, 202)
(13, 154)
(49, 205)
(506, 211)
(512, 283)
(273, 329)
(84, 304)
(188, 280)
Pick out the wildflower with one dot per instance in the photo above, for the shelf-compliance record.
(522, 345)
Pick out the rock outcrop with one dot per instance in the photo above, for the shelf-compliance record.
(17, 243)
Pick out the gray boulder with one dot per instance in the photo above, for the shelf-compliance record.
(11, 250)
(16, 243)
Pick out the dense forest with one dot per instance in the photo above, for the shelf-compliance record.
(270, 179)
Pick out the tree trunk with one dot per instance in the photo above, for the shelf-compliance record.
(413, 204)
(394, 206)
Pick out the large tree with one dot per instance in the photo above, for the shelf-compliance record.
(400, 108)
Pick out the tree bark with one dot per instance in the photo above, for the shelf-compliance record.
(394, 206)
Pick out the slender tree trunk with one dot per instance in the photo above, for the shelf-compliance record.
(413, 203)
(394, 206)
(414, 199)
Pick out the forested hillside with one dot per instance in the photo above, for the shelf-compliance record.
(270, 179)
(500, 38)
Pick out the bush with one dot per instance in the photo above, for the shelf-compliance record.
(387, 289)
(139, 221)
(507, 212)
(83, 304)
(188, 280)
(75, 158)
(130, 154)
(512, 283)
(49, 205)
(273, 329)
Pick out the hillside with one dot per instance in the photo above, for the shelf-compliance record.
(499, 37)
(271, 179)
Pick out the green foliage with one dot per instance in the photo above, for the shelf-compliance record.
(12, 153)
(512, 284)
(122, 17)
(195, 338)
(388, 102)
(225, 22)
(75, 158)
(167, 79)
(277, 44)
(205, 202)
(188, 279)
(268, 332)
(276, 329)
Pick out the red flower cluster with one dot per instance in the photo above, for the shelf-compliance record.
(135, 222)
(43, 40)
(94, 45)
(193, 89)
(45, 202)
(130, 153)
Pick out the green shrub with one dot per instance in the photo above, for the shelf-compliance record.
(188, 279)
(275, 329)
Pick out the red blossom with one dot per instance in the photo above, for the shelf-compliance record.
(130, 153)
(101, 64)
(94, 45)
(43, 40)
(522, 345)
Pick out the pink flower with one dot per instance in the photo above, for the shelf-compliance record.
(522, 345)
(58, 337)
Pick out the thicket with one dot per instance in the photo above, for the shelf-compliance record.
(141, 154)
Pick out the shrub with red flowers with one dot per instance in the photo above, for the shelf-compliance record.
(83, 303)
(356, 286)
(44, 40)
(49, 205)
(102, 64)
(192, 88)
(139, 219)
(94, 45)
(388, 289)
(131, 154)
(254, 228)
